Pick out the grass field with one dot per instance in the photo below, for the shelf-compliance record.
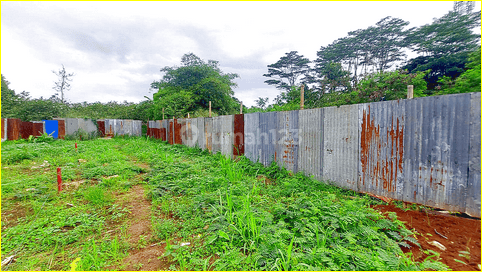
(207, 212)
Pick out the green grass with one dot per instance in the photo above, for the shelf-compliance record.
(230, 216)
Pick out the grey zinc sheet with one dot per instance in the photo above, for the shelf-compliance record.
(137, 128)
(310, 153)
(71, 126)
(128, 127)
(208, 133)
(266, 138)
(288, 140)
(381, 148)
(216, 134)
(87, 125)
(437, 147)
(473, 187)
(227, 135)
(340, 145)
(251, 134)
(198, 132)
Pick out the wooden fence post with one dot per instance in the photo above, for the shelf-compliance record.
(409, 91)
(162, 113)
(209, 108)
(241, 108)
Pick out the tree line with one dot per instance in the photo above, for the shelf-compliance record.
(367, 65)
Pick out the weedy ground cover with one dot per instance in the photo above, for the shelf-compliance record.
(210, 212)
(46, 230)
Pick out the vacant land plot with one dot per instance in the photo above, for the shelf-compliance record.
(141, 204)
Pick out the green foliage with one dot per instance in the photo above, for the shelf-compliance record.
(197, 83)
(468, 81)
(285, 72)
(175, 102)
(390, 86)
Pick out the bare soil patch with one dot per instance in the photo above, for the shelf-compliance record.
(454, 232)
(143, 253)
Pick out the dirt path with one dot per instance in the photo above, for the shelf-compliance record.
(460, 236)
(143, 253)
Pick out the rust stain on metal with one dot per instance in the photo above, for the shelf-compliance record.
(13, 129)
(177, 132)
(37, 129)
(376, 166)
(238, 145)
(100, 124)
(171, 131)
(163, 134)
(26, 129)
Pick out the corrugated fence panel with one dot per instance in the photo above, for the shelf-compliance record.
(165, 126)
(216, 134)
(238, 144)
(381, 148)
(340, 145)
(128, 127)
(473, 187)
(101, 125)
(310, 153)
(227, 135)
(288, 140)
(26, 129)
(71, 126)
(87, 125)
(267, 137)
(13, 131)
(38, 128)
(171, 131)
(198, 132)
(52, 128)
(437, 149)
(208, 133)
(61, 123)
(251, 131)
(137, 128)
(119, 127)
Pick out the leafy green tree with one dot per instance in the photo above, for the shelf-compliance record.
(202, 82)
(468, 81)
(10, 100)
(286, 72)
(389, 86)
(443, 46)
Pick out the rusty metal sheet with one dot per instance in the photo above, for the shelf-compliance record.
(177, 132)
(165, 127)
(208, 133)
(4, 129)
(101, 126)
(437, 147)
(38, 128)
(13, 132)
(26, 129)
(251, 134)
(287, 140)
(472, 206)
(238, 144)
(61, 124)
(381, 135)
(119, 127)
(310, 152)
(171, 131)
(340, 145)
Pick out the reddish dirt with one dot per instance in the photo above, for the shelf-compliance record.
(463, 234)
(143, 254)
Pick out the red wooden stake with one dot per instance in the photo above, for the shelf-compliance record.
(59, 179)
(75, 146)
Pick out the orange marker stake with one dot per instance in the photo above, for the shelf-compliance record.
(75, 146)
(59, 179)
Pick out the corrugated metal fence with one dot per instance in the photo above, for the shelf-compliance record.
(423, 150)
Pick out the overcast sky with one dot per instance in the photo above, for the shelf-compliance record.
(116, 49)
